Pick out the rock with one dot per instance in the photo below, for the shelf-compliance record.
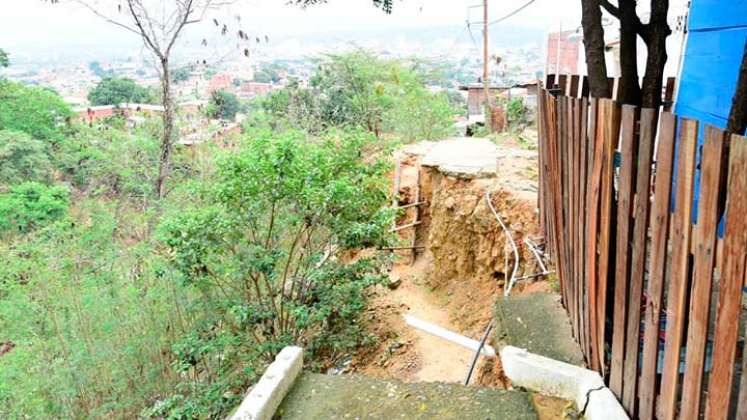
(394, 282)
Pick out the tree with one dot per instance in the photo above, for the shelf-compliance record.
(738, 114)
(223, 105)
(591, 21)
(95, 67)
(39, 112)
(4, 61)
(116, 91)
(180, 74)
(266, 249)
(23, 158)
(159, 25)
(654, 34)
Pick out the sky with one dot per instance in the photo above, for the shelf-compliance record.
(32, 24)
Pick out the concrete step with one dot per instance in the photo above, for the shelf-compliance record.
(538, 323)
(317, 396)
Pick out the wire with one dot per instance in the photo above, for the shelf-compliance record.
(512, 13)
(477, 354)
(510, 238)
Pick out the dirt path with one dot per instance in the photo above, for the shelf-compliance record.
(439, 359)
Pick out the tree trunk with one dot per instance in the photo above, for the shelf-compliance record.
(596, 65)
(167, 139)
(738, 114)
(629, 89)
(655, 34)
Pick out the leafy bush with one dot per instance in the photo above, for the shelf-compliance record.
(38, 112)
(31, 205)
(109, 162)
(23, 158)
(266, 248)
(223, 105)
(363, 91)
(116, 90)
(93, 313)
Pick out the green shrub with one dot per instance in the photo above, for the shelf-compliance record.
(265, 250)
(31, 205)
(39, 112)
(23, 158)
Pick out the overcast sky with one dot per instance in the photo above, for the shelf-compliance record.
(25, 23)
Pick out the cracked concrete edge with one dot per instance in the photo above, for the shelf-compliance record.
(265, 397)
(562, 380)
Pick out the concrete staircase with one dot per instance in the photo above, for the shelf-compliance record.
(317, 396)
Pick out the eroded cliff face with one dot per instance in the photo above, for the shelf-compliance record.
(464, 237)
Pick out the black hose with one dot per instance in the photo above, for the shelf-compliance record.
(477, 354)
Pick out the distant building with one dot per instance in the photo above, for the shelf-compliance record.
(92, 114)
(251, 90)
(563, 52)
(476, 101)
(220, 82)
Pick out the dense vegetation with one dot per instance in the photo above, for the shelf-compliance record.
(384, 97)
(223, 105)
(117, 90)
(117, 304)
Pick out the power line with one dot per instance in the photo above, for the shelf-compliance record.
(512, 13)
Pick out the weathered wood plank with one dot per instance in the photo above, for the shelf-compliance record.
(628, 142)
(586, 151)
(562, 80)
(730, 285)
(573, 86)
(549, 81)
(589, 255)
(610, 134)
(659, 235)
(705, 252)
(679, 280)
(669, 93)
(593, 192)
(585, 87)
(572, 220)
(638, 255)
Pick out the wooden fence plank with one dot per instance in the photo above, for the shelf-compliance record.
(586, 151)
(573, 215)
(578, 206)
(594, 193)
(678, 282)
(549, 81)
(705, 252)
(668, 93)
(730, 285)
(562, 80)
(638, 255)
(624, 213)
(589, 255)
(585, 87)
(573, 86)
(659, 235)
(610, 134)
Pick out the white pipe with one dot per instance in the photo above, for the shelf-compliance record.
(510, 237)
(455, 338)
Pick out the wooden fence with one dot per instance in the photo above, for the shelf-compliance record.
(651, 282)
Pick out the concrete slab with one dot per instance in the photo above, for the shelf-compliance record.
(464, 157)
(538, 323)
(316, 396)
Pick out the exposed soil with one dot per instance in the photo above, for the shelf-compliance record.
(456, 278)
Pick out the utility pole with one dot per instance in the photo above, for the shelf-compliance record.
(485, 72)
(485, 76)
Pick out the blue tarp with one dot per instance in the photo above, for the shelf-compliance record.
(717, 31)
